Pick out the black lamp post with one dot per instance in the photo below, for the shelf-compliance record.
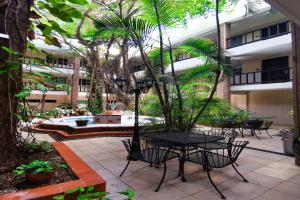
(141, 86)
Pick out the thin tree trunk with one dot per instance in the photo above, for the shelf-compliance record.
(43, 102)
(179, 97)
(14, 21)
(218, 72)
(296, 82)
(162, 69)
(156, 85)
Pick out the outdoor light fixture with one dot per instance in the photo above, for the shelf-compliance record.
(141, 86)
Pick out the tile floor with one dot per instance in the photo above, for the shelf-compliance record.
(271, 176)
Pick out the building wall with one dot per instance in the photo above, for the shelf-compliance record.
(239, 101)
(276, 103)
(60, 99)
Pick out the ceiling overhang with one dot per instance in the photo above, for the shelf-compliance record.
(289, 8)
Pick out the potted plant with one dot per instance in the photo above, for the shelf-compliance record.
(37, 171)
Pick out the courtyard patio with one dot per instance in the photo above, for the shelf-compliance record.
(270, 176)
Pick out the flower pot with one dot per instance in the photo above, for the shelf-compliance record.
(82, 122)
(39, 178)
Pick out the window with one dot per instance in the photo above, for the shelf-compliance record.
(84, 82)
(273, 30)
(264, 32)
(283, 27)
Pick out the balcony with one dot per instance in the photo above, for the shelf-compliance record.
(269, 32)
(263, 80)
(53, 62)
(33, 86)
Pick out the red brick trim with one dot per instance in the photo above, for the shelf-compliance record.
(67, 135)
(86, 177)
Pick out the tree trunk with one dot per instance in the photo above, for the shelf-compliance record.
(168, 119)
(43, 102)
(14, 21)
(296, 81)
(218, 72)
(179, 97)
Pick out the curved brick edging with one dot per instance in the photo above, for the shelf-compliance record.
(66, 135)
(86, 177)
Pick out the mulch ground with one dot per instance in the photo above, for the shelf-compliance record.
(9, 182)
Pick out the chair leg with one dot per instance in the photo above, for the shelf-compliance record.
(213, 184)
(162, 179)
(242, 132)
(269, 134)
(245, 180)
(254, 132)
(179, 169)
(125, 168)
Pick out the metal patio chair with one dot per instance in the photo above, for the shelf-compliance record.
(265, 127)
(229, 136)
(253, 126)
(218, 158)
(150, 154)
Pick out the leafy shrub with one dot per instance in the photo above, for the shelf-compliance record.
(150, 106)
(88, 193)
(39, 146)
(37, 167)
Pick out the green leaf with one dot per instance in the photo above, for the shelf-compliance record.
(72, 12)
(79, 2)
(90, 188)
(10, 51)
(72, 191)
(59, 197)
(3, 71)
(23, 94)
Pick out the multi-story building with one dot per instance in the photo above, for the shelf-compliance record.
(64, 68)
(259, 46)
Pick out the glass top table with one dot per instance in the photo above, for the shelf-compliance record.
(183, 141)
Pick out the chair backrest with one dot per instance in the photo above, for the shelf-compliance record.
(253, 124)
(147, 153)
(218, 158)
(228, 134)
(127, 143)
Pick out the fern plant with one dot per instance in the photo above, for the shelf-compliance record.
(89, 193)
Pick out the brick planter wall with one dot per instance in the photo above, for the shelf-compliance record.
(86, 177)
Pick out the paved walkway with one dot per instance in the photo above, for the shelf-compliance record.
(271, 176)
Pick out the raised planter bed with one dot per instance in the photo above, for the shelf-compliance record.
(86, 177)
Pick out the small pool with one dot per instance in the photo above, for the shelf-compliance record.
(126, 120)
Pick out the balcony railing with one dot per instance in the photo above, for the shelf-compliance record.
(58, 63)
(259, 34)
(83, 88)
(263, 77)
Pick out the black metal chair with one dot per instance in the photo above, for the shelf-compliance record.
(150, 154)
(228, 134)
(252, 125)
(219, 158)
(233, 125)
(265, 127)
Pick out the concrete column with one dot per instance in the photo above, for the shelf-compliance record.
(223, 90)
(75, 82)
